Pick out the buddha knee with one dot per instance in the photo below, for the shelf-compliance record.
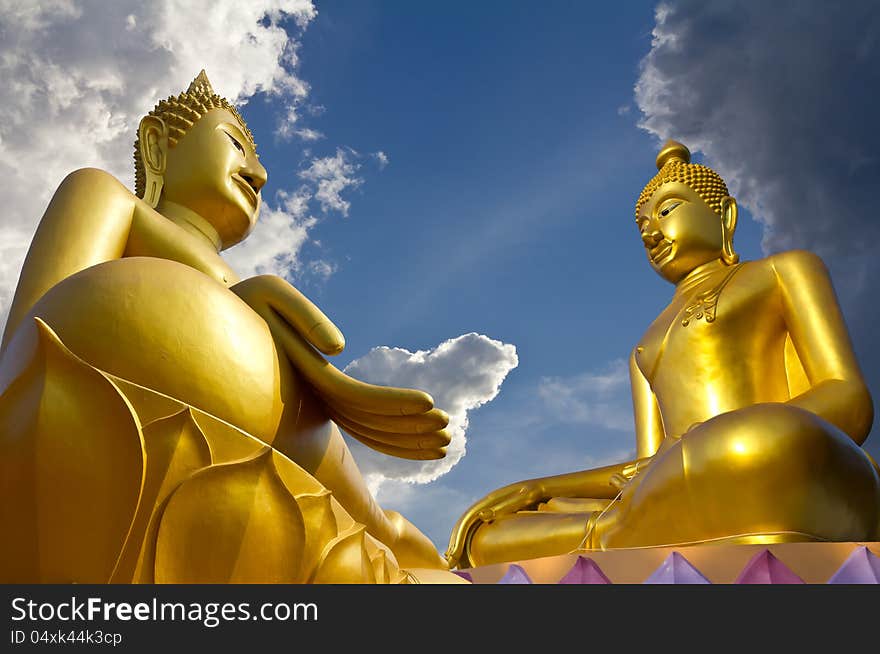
(769, 439)
(169, 328)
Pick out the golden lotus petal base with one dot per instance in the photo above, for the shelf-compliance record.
(105, 480)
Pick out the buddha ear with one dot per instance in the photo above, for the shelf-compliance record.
(729, 214)
(153, 140)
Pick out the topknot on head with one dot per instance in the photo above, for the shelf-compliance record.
(673, 164)
(672, 151)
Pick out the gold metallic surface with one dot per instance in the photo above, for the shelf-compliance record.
(749, 404)
(162, 420)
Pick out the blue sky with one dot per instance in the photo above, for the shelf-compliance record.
(440, 170)
(506, 207)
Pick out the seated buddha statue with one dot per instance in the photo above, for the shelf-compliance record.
(750, 407)
(163, 420)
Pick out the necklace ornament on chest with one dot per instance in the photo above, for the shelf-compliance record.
(705, 305)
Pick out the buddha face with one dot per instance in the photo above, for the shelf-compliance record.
(679, 231)
(214, 171)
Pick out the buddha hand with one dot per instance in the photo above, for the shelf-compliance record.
(506, 500)
(628, 472)
(401, 422)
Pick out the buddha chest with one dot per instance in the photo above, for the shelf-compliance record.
(718, 345)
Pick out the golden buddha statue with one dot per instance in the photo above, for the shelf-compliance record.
(750, 407)
(162, 420)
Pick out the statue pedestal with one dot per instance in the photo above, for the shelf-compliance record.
(811, 563)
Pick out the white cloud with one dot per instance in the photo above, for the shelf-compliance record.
(77, 77)
(288, 124)
(322, 269)
(274, 245)
(601, 398)
(333, 175)
(781, 98)
(382, 158)
(307, 134)
(461, 374)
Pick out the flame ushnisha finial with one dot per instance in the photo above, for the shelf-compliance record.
(201, 84)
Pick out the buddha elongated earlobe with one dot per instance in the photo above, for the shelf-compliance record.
(728, 227)
(153, 145)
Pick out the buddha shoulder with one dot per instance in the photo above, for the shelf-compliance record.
(96, 183)
(782, 269)
(96, 217)
(797, 262)
(90, 196)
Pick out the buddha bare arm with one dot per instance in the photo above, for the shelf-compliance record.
(837, 391)
(93, 218)
(72, 236)
(401, 422)
(646, 411)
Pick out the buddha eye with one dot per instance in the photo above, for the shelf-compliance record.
(235, 142)
(668, 209)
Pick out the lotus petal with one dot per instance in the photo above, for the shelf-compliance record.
(148, 404)
(236, 522)
(515, 575)
(320, 525)
(585, 571)
(676, 569)
(71, 467)
(764, 568)
(176, 448)
(861, 567)
(345, 560)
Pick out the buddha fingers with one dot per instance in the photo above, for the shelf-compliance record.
(410, 441)
(420, 423)
(402, 452)
(420, 436)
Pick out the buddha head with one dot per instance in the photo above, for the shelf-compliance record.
(685, 216)
(194, 150)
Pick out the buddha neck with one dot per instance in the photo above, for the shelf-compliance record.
(699, 274)
(190, 222)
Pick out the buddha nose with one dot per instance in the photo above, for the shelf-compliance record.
(255, 175)
(651, 238)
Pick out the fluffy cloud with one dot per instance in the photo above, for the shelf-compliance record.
(600, 398)
(461, 374)
(332, 176)
(308, 134)
(287, 124)
(275, 245)
(781, 98)
(78, 76)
